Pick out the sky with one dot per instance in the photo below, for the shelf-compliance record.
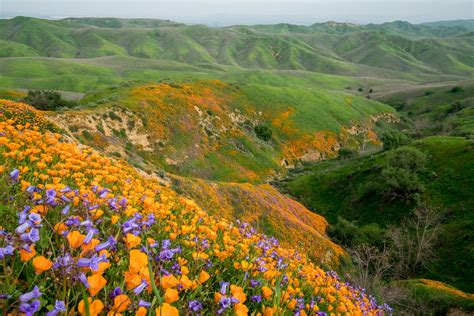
(230, 12)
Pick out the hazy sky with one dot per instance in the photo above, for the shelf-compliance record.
(226, 12)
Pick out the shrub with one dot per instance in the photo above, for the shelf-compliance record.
(457, 89)
(263, 132)
(399, 177)
(393, 139)
(47, 100)
(455, 107)
(346, 153)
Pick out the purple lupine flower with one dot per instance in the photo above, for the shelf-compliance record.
(224, 286)
(140, 287)
(14, 174)
(72, 221)
(93, 207)
(113, 203)
(6, 251)
(34, 294)
(31, 189)
(92, 263)
(65, 210)
(59, 306)
(123, 202)
(176, 268)
(103, 193)
(256, 298)
(166, 255)
(87, 223)
(226, 302)
(90, 233)
(65, 262)
(255, 283)
(110, 243)
(30, 309)
(83, 279)
(195, 306)
(65, 199)
(32, 236)
(143, 303)
(23, 227)
(116, 292)
(66, 189)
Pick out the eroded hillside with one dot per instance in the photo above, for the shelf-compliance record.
(220, 131)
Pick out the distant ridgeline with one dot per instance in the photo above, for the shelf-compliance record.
(85, 53)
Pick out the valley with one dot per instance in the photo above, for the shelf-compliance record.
(330, 137)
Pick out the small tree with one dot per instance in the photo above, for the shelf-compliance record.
(457, 89)
(393, 139)
(413, 242)
(398, 178)
(263, 132)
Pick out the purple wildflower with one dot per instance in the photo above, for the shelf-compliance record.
(34, 294)
(59, 306)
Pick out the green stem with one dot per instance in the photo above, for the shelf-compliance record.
(86, 302)
(153, 285)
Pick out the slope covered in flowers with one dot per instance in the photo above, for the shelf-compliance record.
(268, 211)
(81, 232)
(207, 129)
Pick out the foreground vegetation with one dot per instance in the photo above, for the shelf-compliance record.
(84, 232)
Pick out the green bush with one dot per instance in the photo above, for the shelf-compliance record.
(47, 100)
(263, 132)
(393, 139)
(457, 89)
(399, 177)
(346, 153)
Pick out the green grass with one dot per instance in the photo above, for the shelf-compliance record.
(330, 188)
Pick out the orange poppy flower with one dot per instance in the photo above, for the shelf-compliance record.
(138, 260)
(141, 311)
(25, 255)
(97, 283)
(171, 295)
(41, 264)
(266, 291)
(167, 310)
(132, 241)
(203, 276)
(121, 303)
(95, 307)
(168, 281)
(75, 239)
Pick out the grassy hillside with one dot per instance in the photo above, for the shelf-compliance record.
(208, 129)
(74, 50)
(333, 188)
(438, 109)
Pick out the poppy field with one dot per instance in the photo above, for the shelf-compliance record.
(84, 234)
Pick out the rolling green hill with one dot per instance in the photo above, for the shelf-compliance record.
(390, 51)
